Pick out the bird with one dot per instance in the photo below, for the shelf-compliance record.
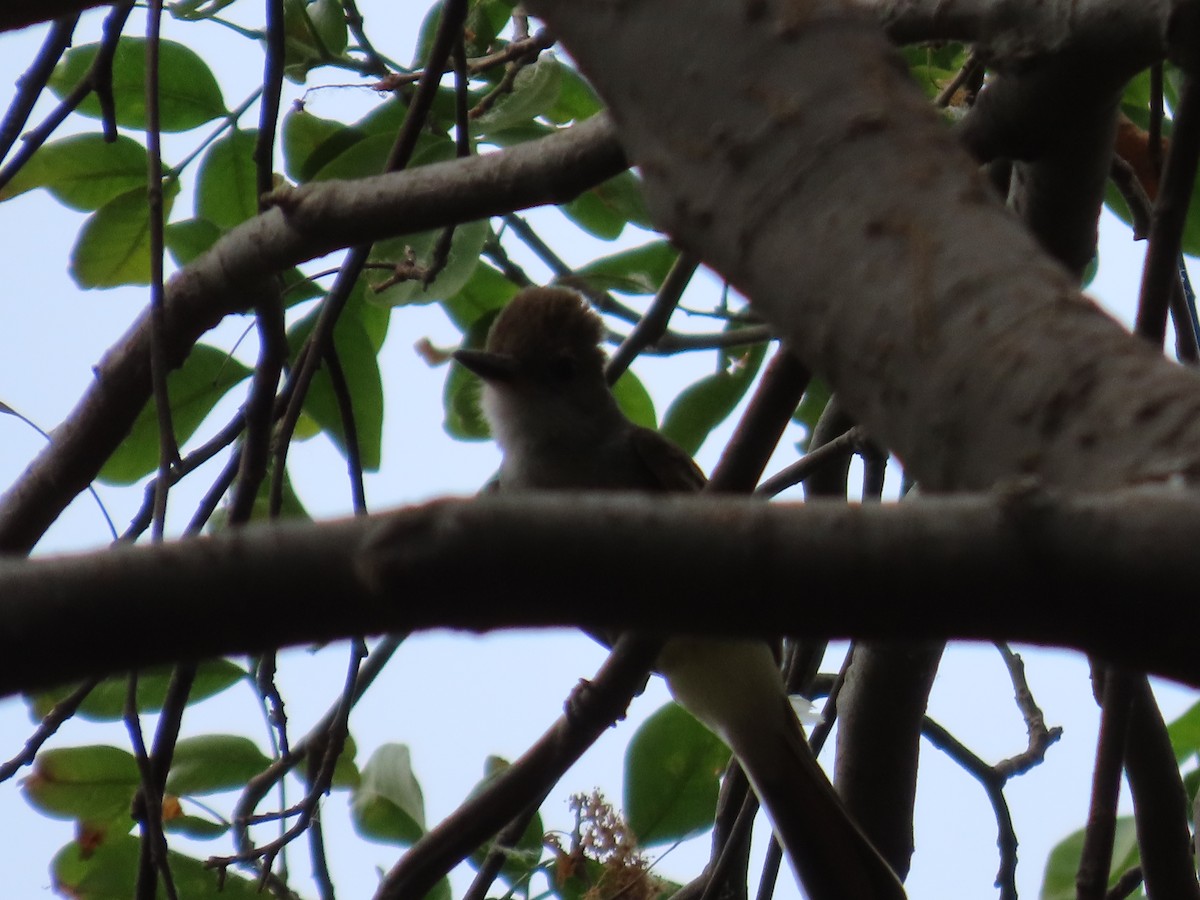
(559, 428)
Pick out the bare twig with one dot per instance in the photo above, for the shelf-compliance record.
(1171, 206)
(1040, 737)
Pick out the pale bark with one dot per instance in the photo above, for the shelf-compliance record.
(795, 157)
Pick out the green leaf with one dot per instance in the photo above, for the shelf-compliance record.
(707, 403)
(386, 118)
(106, 702)
(634, 400)
(522, 860)
(188, 92)
(290, 506)
(1135, 102)
(359, 160)
(310, 142)
(193, 390)
(485, 20)
(464, 420)
(388, 805)
(189, 239)
(113, 247)
(298, 287)
(1184, 734)
(329, 21)
(637, 271)
(606, 209)
(88, 784)
(107, 870)
(227, 184)
(314, 34)
(576, 99)
(369, 156)
(486, 291)
(83, 171)
(195, 10)
(534, 91)
(345, 771)
(463, 259)
(195, 827)
(1191, 226)
(522, 132)
(357, 352)
(1058, 881)
(933, 67)
(212, 763)
(673, 767)
(808, 413)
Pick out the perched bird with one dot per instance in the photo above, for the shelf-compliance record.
(559, 428)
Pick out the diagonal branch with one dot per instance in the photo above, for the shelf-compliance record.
(306, 222)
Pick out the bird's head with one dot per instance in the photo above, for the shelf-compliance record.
(542, 368)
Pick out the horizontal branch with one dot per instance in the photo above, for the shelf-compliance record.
(306, 222)
(20, 15)
(1018, 31)
(1098, 573)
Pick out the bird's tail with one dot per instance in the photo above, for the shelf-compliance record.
(733, 687)
(831, 856)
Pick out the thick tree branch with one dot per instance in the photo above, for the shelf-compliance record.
(1015, 31)
(895, 571)
(306, 222)
(20, 15)
(826, 189)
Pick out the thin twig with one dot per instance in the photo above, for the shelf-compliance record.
(453, 14)
(34, 80)
(1128, 882)
(1154, 147)
(168, 448)
(51, 722)
(1096, 857)
(993, 785)
(377, 65)
(334, 743)
(91, 81)
(758, 433)
(261, 408)
(809, 463)
(1170, 212)
(591, 710)
(268, 111)
(152, 861)
(564, 274)
(345, 405)
(1040, 737)
(1182, 302)
(653, 325)
(972, 68)
(7, 410)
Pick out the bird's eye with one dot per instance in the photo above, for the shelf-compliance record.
(562, 368)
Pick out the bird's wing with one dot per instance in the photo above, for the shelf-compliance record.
(670, 468)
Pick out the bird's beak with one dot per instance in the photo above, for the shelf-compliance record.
(488, 366)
